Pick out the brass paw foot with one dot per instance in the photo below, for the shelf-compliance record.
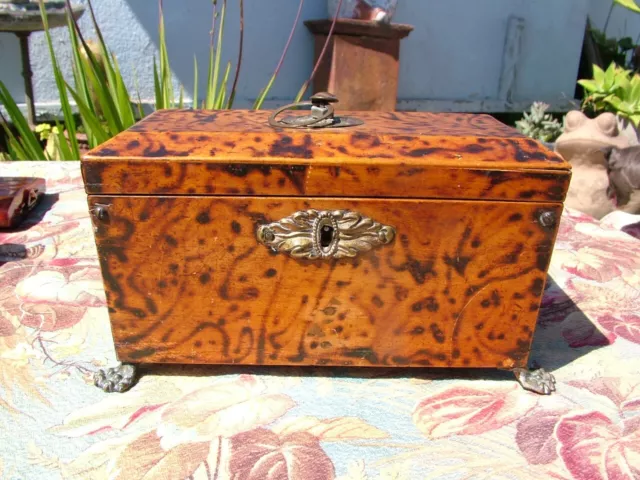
(116, 379)
(538, 381)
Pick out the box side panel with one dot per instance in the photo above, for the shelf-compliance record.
(356, 179)
(187, 281)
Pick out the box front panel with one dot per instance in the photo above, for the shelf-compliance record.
(189, 281)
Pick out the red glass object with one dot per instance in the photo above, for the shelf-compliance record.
(18, 196)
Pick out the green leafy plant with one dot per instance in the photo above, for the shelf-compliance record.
(615, 90)
(217, 97)
(104, 105)
(162, 82)
(23, 144)
(612, 49)
(603, 85)
(49, 135)
(215, 92)
(628, 4)
(538, 124)
(100, 91)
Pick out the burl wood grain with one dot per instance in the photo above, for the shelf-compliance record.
(394, 123)
(395, 155)
(187, 282)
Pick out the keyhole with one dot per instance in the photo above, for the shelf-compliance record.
(326, 236)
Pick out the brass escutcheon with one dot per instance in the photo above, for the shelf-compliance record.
(325, 234)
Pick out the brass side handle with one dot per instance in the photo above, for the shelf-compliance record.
(325, 234)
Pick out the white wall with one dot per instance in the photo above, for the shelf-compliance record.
(455, 53)
(452, 59)
(130, 28)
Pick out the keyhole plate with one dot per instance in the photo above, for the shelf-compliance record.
(325, 234)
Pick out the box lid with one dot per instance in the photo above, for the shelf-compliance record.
(394, 154)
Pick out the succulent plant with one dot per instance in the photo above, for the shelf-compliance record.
(538, 124)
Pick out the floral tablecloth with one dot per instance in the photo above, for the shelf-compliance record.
(270, 423)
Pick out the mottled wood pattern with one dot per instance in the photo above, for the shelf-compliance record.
(394, 123)
(187, 281)
(354, 180)
(418, 155)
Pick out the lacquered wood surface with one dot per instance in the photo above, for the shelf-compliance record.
(417, 155)
(393, 123)
(187, 282)
(356, 180)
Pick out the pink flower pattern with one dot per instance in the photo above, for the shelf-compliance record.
(593, 447)
(233, 423)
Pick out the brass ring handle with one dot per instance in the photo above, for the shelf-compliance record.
(322, 114)
(301, 121)
(325, 234)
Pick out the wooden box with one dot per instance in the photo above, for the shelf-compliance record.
(410, 240)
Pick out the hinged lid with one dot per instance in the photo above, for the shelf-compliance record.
(349, 154)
